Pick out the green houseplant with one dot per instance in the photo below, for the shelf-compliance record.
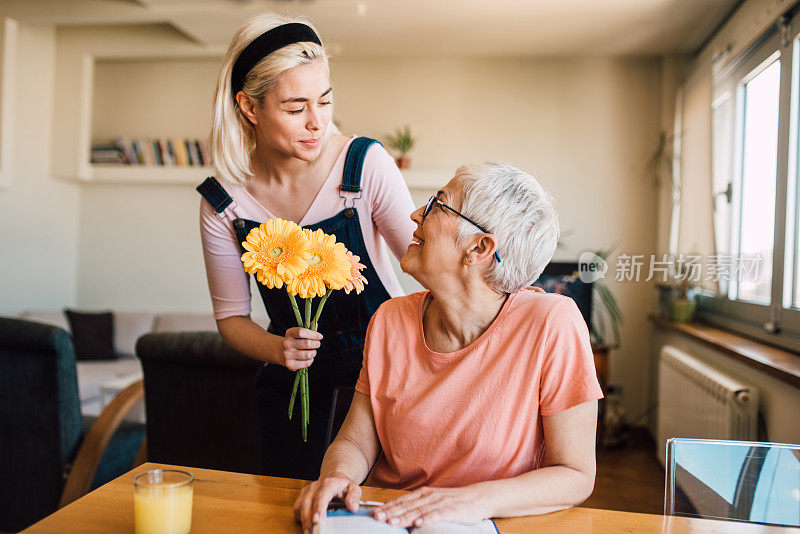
(605, 309)
(682, 308)
(401, 141)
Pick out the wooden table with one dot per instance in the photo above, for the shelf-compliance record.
(233, 502)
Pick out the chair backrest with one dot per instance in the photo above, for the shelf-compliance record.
(340, 405)
(200, 402)
(746, 481)
(40, 419)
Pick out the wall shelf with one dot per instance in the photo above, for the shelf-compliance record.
(89, 110)
(88, 81)
(426, 179)
(416, 179)
(146, 174)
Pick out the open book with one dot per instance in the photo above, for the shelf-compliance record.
(362, 522)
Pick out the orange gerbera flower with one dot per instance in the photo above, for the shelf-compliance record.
(356, 280)
(328, 267)
(277, 251)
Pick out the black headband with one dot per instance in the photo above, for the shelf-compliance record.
(265, 44)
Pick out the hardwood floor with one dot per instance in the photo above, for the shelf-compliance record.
(629, 479)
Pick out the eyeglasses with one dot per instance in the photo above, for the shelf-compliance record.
(433, 200)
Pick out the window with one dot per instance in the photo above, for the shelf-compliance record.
(755, 165)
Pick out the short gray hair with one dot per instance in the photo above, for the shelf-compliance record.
(514, 207)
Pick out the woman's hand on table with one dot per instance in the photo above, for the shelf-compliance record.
(313, 501)
(432, 505)
(299, 347)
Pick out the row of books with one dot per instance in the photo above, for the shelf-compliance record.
(168, 153)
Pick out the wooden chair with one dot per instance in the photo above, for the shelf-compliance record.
(46, 458)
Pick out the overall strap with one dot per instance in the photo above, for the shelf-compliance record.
(212, 191)
(353, 163)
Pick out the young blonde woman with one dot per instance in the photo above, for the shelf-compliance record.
(278, 155)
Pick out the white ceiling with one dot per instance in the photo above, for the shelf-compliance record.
(424, 27)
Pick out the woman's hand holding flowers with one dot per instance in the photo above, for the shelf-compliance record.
(299, 347)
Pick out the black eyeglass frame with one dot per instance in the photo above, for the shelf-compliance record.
(433, 200)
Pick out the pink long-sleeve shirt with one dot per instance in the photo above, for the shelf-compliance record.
(383, 213)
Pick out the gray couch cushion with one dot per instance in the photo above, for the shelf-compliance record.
(92, 374)
(130, 326)
(185, 322)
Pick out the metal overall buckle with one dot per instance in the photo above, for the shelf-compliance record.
(349, 211)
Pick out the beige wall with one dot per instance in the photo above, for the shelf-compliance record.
(696, 230)
(38, 214)
(584, 127)
(140, 245)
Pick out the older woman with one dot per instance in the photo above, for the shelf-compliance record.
(479, 394)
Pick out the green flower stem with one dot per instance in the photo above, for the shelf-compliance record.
(308, 399)
(307, 324)
(294, 393)
(295, 308)
(319, 309)
(297, 375)
(304, 399)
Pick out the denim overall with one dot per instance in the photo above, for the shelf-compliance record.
(343, 324)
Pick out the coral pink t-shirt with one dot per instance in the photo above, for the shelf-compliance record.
(453, 419)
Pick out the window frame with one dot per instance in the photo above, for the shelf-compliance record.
(771, 323)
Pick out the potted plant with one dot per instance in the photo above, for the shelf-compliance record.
(605, 308)
(682, 307)
(402, 142)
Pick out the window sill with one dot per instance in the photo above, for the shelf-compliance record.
(780, 363)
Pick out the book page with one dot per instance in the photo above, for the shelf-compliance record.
(361, 522)
(484, 527)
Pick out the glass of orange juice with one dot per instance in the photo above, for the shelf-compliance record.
(162, 502)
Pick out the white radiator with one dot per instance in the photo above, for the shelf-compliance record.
(696, 400)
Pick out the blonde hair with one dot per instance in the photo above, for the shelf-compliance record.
(232, 138)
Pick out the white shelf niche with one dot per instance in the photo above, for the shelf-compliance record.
(416, 179)
(426, 179)
(147, 174)
(76, 76)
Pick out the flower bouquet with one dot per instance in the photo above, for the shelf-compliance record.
(308, 264)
